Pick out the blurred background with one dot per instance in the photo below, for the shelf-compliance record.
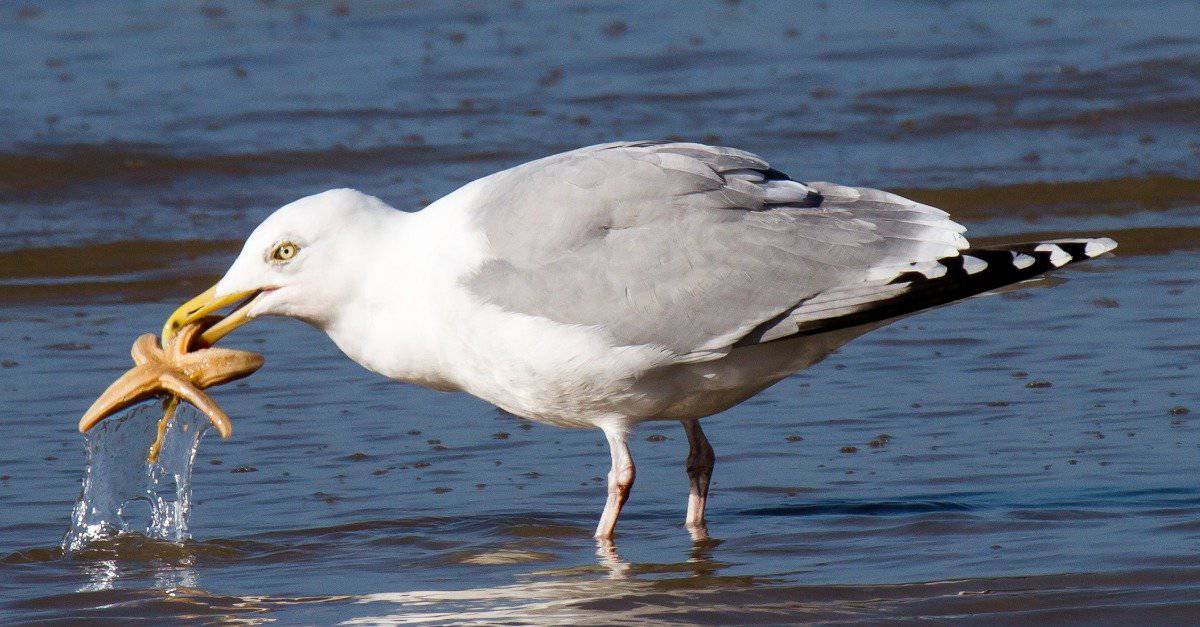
(191, 120)
(1040, 433)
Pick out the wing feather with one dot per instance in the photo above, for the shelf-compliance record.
(684, 246)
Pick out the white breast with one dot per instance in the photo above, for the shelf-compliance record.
(418, 323)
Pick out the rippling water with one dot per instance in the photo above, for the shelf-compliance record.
(1041, 444)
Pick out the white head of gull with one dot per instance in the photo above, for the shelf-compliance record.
(613, 285)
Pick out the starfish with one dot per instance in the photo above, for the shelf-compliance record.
(177, 372)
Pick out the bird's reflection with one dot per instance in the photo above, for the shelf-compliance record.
(700, 558)
(699, 562)
(606, 551)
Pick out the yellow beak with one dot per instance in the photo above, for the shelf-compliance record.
(204, 304)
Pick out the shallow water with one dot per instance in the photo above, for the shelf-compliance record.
(1043, 442)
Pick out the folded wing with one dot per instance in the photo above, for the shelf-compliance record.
(695, 248)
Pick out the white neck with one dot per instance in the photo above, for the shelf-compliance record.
(390, 326)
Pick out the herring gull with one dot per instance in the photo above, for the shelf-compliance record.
(613, 285)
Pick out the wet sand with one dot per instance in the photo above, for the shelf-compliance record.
(1041, 444)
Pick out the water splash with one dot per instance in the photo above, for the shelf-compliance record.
(125, 494)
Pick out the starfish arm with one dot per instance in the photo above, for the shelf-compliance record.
(145, 350)
(181, 387)
(214, 366)
(138, 384)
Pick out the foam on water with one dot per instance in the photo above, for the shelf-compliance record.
(119, 484)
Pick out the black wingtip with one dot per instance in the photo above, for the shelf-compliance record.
(972, 272)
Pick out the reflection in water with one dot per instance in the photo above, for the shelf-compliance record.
(538, 602)
(701, 557)
(181, 574)
(101, 575)
(168, 576)
(606, 551)
(623, 592)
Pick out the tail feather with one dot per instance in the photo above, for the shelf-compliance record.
(926, 285)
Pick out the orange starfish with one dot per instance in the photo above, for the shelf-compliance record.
(177, 372)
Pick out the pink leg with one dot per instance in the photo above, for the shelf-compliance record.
(620, 479)
(699, 469)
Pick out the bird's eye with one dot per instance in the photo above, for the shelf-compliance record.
(284, 251)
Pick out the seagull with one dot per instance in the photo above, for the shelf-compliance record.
(612, 285)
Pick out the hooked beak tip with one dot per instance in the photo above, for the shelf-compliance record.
(205, 303)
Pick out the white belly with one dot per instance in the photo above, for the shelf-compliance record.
(549, 372)
(695, 390)
(573, 376)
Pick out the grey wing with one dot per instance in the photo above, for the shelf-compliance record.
(688, 247)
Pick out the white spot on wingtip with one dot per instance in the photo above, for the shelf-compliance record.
(1022, 261)
(1058, 256)
(1099, 246)
(973, 265)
